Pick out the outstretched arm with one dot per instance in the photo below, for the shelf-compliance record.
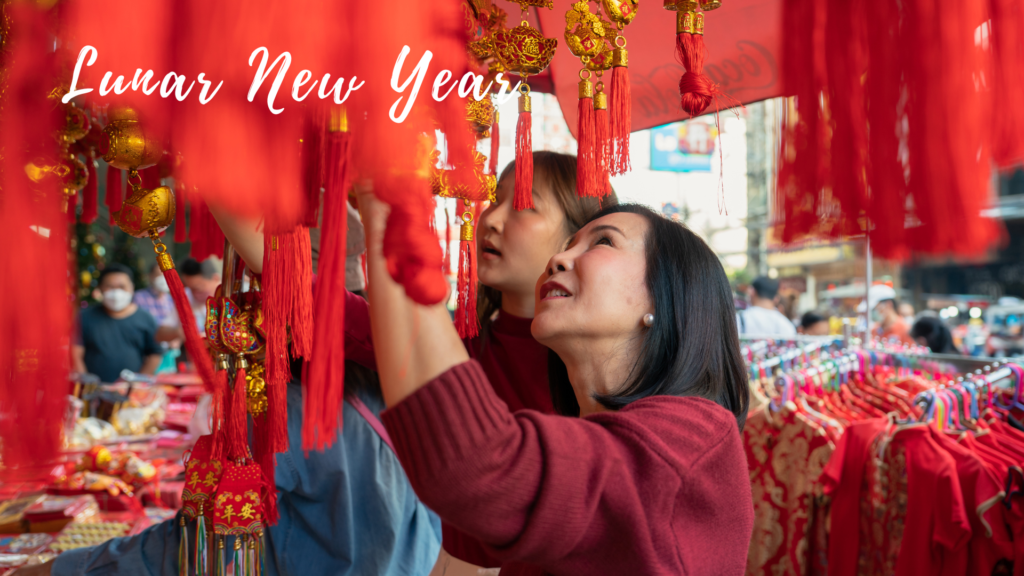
(413, 343)
(245, 235)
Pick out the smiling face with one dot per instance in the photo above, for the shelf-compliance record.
(513, 247)
(596, 288)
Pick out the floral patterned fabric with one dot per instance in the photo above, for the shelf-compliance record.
(786, 454)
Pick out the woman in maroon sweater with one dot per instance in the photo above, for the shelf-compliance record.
(651, 477)
(513, 247)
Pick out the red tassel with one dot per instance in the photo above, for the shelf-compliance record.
(696, 90)
(523, 198)
(313, 150)
(218, 409)
(150, 177)
(466, 321)
(492, 162)
(324, 381)
(621, 117)
(238, 445)
(447, 265)
(115, 191)
(91, 192)
(586, 155)
(1007, 28)
(206, 235)
(180, 228)
(267, 462)
(276, 308)
(301, 317)
(602, 143)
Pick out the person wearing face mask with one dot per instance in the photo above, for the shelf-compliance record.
(156, 299)
(116, 334)
(888, 324)
(642, 471)
(201, 280)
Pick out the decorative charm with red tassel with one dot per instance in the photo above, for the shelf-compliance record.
(585, 34)
(586, 154)
(602, 139)
(525, 51)
(466, 321)
(621, 12)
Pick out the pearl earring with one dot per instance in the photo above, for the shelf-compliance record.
(648, 320)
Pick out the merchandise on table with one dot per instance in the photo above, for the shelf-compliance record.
(53, 513)
(81, 535)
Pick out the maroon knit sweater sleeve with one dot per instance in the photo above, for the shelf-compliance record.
(659, 487)
(358, 338)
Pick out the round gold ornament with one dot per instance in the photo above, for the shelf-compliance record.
(146, 211)
(127, 144)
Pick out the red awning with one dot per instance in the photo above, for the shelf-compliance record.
(743, 41)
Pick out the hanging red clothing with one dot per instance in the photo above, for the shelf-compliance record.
(843, 479)
(912, 518)
(515, 364)
(786, 455)
(658, 487)
(991, 544)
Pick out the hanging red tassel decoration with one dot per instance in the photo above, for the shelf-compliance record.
(447, 264)
(492, 162)
(523, 198)
(602, 141)
(115, 191)
(180, 229)
(696, 90)
(205, 234)
(621, 111)
(90, 193)
(312, 165)
(238, 444)
(1006, 28)
(466, 321)
(300, 319)
(324, 380)
(276, 308)
(586, 155)
(267, 461)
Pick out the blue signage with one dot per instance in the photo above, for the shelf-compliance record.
(683, 146)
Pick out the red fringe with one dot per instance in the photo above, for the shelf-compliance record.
(301, 317)
(466, 321)
(622, 120)
(492, 162)
(219, 410)
(523, 198)
(90, 193)
(696, 90)
(586, 155)
(313, 149)
(115, 191)
(267, 462)
(1006, 28)
(238, 433)
(324, 381)
(603, 145)
(35, 316)
(180, 228)
(447, 264)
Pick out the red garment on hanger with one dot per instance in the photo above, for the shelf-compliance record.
(842, 481)
(991, 542)
(786, 454)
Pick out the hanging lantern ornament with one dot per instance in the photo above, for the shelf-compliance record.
(696, 90)
(525, 51)
(621, 13)
(584, 35)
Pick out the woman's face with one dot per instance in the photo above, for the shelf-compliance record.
(595, 289)
(513, 247)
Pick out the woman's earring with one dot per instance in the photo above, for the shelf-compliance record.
(648, 320)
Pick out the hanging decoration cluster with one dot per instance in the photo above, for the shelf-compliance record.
(897, 112)
(696, 90)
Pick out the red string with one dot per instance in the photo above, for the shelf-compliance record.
(621, 119)
(238, 445)
(586, 155)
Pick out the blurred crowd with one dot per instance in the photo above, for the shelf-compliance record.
(761, 312)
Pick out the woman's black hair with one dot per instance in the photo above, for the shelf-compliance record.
(936, 333)
(693, 347)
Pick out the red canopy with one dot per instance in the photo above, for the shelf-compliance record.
(743, 41)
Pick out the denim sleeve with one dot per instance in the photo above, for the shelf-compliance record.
(151, 552)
